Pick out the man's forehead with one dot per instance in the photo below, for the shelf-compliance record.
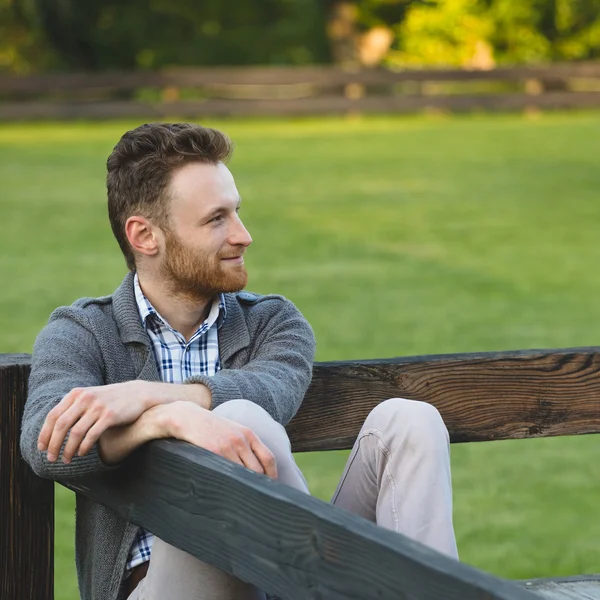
(203, 182)
(201, 172)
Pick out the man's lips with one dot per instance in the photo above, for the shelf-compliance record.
(238, 258)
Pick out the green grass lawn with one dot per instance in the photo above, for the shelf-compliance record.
(394, 236)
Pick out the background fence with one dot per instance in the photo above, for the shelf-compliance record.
(266, 91)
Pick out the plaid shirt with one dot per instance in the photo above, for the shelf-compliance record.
(176, 360)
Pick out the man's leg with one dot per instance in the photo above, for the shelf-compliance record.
(398, 474)
(177, 575)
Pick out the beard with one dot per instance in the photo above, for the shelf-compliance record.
(200, 275)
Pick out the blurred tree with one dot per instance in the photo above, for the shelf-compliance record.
(361, 31)
(445, 32)
(476, 33)
(69, 27)
(542, 30)
(108, 34)
(150, 34)
(22, 46)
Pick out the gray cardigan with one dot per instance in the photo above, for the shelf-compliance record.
(266, 349)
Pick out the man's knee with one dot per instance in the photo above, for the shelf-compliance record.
(256, 418)
(242, 411)
(408, 421)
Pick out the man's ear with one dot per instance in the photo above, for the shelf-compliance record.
(143, 236)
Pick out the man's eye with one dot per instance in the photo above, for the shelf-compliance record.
(216, 219)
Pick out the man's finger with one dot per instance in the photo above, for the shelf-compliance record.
(53, 416)
(93, 435)
(265, 456)
(233, 456)
(77, 433)
(249, 460)
(61, 427)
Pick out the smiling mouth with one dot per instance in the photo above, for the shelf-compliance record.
(238, 258)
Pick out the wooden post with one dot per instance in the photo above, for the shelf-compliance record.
(26, 501)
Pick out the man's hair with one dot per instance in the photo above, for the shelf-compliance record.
(140, 169)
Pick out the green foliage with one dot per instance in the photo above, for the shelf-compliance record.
(373, 13)
(112, 34)
(22, 48)
(454, 32)
(150, 34)
(517, 37)
(544, 30)
(446, 32)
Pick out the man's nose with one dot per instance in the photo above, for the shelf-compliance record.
(239, 235)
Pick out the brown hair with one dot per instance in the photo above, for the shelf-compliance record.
(141, 165)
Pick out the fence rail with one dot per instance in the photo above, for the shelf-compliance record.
(283, 541)
(486, 396)
(296, 91)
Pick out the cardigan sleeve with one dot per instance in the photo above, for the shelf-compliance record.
(66, 355)
(278, 370)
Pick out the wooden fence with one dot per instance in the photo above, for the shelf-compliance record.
(269, 91)
(286, 542)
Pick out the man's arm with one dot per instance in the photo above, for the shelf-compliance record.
(68, 405)
(67, 371)
(280, 368)
(65, 356)
(86, 413)
(191, 423)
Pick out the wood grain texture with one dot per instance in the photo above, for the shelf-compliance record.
(487, 396)
(481, 396)
(579, 587)
(26, 501)
(285, 542)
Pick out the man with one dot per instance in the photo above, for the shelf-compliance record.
(179, 351)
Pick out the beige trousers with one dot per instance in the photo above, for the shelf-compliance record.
(397, 475)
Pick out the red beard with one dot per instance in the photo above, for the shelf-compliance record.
(200, 275)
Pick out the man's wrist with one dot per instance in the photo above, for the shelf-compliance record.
(167, 393)
(118, 442)
(199, 394)
(154, 423)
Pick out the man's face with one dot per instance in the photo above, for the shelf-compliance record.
(205, 239)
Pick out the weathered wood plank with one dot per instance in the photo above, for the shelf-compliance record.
(488, 396)
(484, 396)
(322, 76)
(579, 587)
(26, 502)
(285, 542)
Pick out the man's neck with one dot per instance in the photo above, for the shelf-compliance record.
(182, 312)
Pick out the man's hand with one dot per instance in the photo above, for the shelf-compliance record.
(191, 423)
(86, 413)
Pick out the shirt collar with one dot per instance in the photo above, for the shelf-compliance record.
(217, 313)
